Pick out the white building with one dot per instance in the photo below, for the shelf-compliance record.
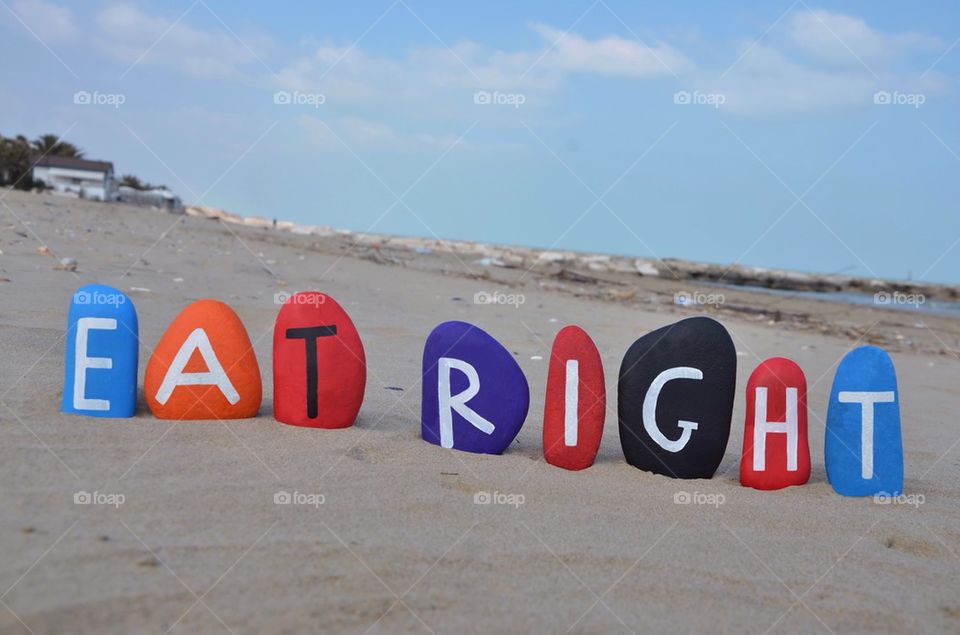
(77, 177)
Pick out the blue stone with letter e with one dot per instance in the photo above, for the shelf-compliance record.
(475, 397)
(100, 363)
(863, 451)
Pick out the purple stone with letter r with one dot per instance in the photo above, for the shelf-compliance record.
(475, 396)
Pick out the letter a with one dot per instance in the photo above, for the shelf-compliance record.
(215, 375)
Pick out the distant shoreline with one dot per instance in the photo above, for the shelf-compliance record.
(533, 258)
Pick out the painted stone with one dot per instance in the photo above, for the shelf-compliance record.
(775, 449)
(100, 362)
(576, 402)
(863, 451)
(675, 398)
(475, 397)
(204, 367)
(319, 367)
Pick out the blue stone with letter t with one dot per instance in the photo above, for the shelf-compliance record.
(100, 362)
(863, 451)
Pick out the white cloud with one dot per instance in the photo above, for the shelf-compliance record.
(424, 74)
(767, 84)
(821, 62)
(846, 40)
(803, 67)
(429, 86)
(50, 22)
(350, 73)
(610, 55)
(799, 70)
(342, 134)
(129, 35)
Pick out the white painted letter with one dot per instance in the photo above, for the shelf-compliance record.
(571, 403)
(866, 401)
(215, 375)
(650, 408)
(81, 362)
(458, 402)
(762, 427)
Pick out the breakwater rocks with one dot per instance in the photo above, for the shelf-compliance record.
(584, 267)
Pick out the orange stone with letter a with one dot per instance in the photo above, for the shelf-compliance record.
(204, 367)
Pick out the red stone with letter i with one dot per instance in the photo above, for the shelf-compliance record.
(576, 402)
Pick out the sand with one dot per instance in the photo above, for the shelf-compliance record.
(398, 544)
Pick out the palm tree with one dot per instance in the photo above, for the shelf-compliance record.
(52, 145)
(130, 180)
(15, 162)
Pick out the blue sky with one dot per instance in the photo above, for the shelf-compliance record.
(807, 136)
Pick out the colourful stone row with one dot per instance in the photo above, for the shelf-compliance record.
(675, 392)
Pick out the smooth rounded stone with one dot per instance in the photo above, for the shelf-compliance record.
(675, 398)
(319, 366)
(204, 367)
(775, 449)
(863, 451)
(475, 397)
(575, 405)
(100, 360)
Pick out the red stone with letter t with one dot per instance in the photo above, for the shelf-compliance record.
(319, 367)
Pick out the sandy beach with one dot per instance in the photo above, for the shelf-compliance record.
(393, 540)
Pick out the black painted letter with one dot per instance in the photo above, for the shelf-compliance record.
(309, 335)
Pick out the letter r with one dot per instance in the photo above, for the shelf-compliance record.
(450, 403)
